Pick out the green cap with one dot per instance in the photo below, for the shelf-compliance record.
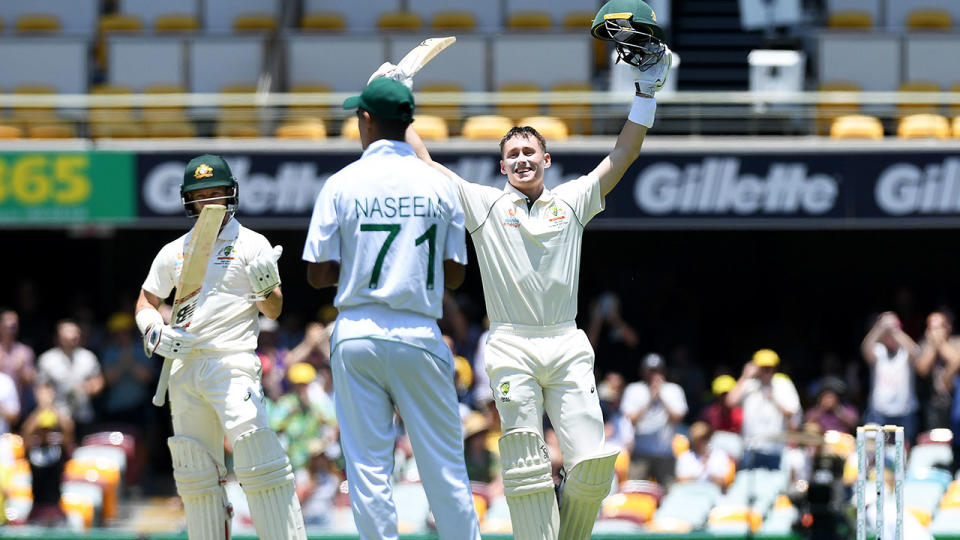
(207, 171)
(637, 12)
(384, 98)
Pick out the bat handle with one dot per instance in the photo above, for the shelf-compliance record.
(160, 396)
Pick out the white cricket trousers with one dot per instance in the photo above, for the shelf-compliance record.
(537, 368)
(213, 395)
(371, 376)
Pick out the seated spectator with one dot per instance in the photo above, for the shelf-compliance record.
(128, 373)
(770, 402)
(9, 404)
(618, 430)
(702, 462)
(892, 356)
(718, 415)
(74, 372)
(16, 359)
(655, 407)
(831, 412)
(47, 440)
(318, 483)
(297, 419)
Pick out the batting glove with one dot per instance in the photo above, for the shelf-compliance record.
(263, 273)
(390, 71)
(167, 341)
(649, 82)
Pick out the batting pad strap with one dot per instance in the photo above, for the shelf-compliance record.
(528, 485)
(266, 477)
(147, 317)
(582, 492)
(643, 111)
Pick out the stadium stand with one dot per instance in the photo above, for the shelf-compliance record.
(856, 126)
(487, 17)
(222, 16)
(860, 14)
(357, 21)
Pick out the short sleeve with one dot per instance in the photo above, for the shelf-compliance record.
(476, 200)
(160, 280)
(455, 248)
(635, 398)
(674, 399)
(323, 237)
(785, 394)
(583, 195)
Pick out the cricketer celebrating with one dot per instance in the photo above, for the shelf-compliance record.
(389, 230)
(215, 378)
(528, 242)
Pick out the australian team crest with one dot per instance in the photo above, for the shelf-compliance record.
(203, 171)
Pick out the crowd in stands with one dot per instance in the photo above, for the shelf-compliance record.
(676, 421)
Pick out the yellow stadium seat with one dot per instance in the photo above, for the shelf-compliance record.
(856, 126)
(578, 20)
(635, 507)
(928, 19)
(520, 20)
(174, 23)
(922, 514)
(431, 127)
(104, 473)
(575, 114)
(31, 23)
(300, 113)
(519, 107)
(399, 20)
(924, 126)
(956, 127)
(950, 499)
(350, 129)
(301, 130)
(34, 114)
(323, 20)
(850, 20)
(453, 20)
(486, 127)
(826, 112)
(930, 107)
(550, 127)
(450, 113)
(238, 113)
(74, 504)
(51, 131)
(116, 130)
(254, 22)
(237, 130)
(15, 441)
(735, 513)
(170, 130)
(119, 22)
(10, 132)
(164, 113)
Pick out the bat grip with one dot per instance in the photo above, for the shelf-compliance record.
(160, 396)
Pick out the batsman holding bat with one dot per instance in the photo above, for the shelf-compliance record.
(215, 375)
(528, 242)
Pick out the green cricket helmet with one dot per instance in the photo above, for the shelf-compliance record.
(632, 26)
(208, 171)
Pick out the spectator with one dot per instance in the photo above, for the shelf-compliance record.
(16, 359)
(482, 464)
(273, 364)
(127, 372)
(48, 440)
(618, 430)
(939, 350)
(9, 404)
(297, 419)
(74, 372)
(318, 483)
(718, 415)
(655, 407)
(314, 349)
(831, 412)
(770, 402)
(702, 462)
(612, 338)
(893, 356)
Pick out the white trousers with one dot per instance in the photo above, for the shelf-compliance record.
(536, 368)
(213, 395)
(371, 376)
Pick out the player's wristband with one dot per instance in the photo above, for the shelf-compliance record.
(643, 111)
(148, 317)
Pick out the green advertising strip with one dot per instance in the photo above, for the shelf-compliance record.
(54, 188)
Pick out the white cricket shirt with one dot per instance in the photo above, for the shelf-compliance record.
(390, 220)
(530, 260)
(225, 320)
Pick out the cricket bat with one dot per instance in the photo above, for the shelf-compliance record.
(196, 257)
(418, 56)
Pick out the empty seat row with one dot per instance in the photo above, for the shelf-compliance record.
(893, 14)
(909, 57)
(915, 126)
